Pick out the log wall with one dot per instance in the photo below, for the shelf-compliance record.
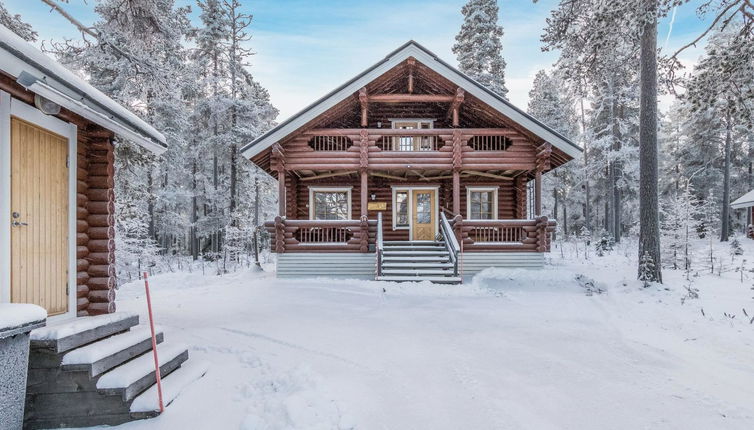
(95, 238)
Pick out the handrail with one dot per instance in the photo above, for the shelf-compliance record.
(378, 244)
(451, 243)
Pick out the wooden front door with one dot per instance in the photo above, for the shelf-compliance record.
(424, 217)
(39, 217)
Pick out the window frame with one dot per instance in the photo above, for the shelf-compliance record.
(313, 190)
(482, 189)
(396, 144)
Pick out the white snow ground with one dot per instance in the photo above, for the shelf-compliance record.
(513, 349)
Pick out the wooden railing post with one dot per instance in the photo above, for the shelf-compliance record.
(364, 239)
(279, 234)
(457, 164)
(542, 234)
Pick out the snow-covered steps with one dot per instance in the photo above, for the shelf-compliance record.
(435, 279)
(413, 261)
(138, 374)
(64, 336)
(147, 404)
(89, 371)
(103, 355)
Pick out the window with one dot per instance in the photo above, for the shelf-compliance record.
(481, 203)
(330, 203)
(413, 143)
(401, 209)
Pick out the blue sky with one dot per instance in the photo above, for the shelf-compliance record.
(305, 48)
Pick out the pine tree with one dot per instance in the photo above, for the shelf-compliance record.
(478, 47)
(16, 25)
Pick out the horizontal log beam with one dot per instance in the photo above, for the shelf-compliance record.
(411, 98)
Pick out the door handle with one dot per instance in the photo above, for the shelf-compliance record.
(18, 224)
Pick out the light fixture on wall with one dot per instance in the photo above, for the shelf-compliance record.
(379, 124)
(374, 196)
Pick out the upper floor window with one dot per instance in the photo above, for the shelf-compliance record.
(413, 143)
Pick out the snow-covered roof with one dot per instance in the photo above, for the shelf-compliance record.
(745, 201)
(429, 59)
(42, 75)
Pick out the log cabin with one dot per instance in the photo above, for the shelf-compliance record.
(746, 202)
(56, 173)
(409, 171)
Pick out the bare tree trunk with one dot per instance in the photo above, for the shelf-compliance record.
(257, 265)
(649, 219)
(565, 219)
(725, 213)
(749, 219)
(193, 241)
(587, 197)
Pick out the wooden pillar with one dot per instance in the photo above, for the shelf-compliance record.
(538, 193)
(281, 192)
(364, 101)
(364, 193)
(543, 164)
(456, 192)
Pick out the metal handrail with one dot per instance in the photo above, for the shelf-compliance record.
(378, 244)
(451, 243)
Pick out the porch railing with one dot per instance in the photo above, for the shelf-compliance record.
(321, 235)
(378, 246)
(528, 235)
(451, 242)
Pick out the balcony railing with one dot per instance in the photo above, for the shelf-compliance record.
(408, 143)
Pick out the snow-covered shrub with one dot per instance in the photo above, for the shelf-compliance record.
(736, 248)
(604, 244)
(646, 269)
(588, 284)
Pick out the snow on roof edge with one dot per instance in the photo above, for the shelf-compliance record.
(411, 48)
(745, 201)
(35, 62)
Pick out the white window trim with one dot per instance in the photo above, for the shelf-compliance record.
(410, 189)
(313, 190)
(471, 189)
(11, 107)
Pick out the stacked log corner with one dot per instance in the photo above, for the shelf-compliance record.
(95, 237)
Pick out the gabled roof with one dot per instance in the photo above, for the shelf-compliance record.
(429, 59)
(745, 201)
(41, 75)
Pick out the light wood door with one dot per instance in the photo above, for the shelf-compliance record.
(39, 217)
(424, 216)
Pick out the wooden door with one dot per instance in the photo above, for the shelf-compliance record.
(424, 218)
(39, 217)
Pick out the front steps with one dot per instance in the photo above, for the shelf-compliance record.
(100, 371)
(407, 261)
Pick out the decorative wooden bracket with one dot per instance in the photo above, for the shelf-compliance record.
(543, 157)
(456, 105)
(364, 100)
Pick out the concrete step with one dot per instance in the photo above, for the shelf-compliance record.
(434, 279)
(68, 335)
(414, 253)
(412, 272)
(147, 403)
(415, 258)
(412, 242)
(400, 263)
(414, 248)
(105, 354)
(135, 376)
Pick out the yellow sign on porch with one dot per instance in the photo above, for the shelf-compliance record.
(377, 206)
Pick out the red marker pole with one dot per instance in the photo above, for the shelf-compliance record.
(154, 346)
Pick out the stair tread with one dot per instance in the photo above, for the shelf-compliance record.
(103, 348)
(401, 264)
(410, 272)
(68, 335)
(420, 278)
(407, 258)
(128, 373)
(172, 386)
(440, 252)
